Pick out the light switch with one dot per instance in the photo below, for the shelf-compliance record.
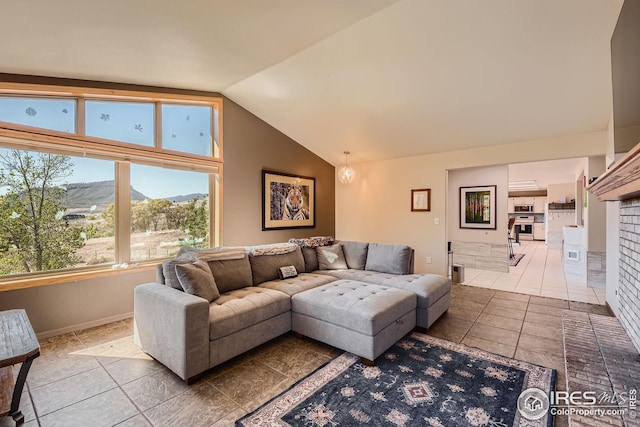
(436, 221)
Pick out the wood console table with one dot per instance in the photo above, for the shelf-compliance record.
(18, 344)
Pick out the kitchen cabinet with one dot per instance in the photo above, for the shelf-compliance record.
(538, 231)
(511, 204)
(538, 204)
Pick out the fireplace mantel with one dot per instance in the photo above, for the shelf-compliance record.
(621, 181)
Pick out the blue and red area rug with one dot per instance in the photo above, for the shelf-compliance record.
(420, 381)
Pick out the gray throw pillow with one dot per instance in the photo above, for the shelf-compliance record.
(169, 269)
(393, 259)
(196, 279)
(356, 254)
(331, 258)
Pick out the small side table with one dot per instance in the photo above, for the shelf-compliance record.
(18, 344)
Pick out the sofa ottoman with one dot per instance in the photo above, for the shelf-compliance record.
(433, 291)
(363, 319)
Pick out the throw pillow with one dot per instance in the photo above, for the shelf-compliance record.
(287, 271)
(331, 258)
(356, 254)
(169, 269)
(196, 279)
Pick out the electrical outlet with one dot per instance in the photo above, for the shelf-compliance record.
(428, 260)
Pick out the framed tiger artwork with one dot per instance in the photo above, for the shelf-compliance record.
(288, 201)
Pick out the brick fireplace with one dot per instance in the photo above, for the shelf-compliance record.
(629, 283)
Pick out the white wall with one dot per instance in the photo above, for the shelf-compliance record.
(376, 207)
(596, 212)
(555, 192)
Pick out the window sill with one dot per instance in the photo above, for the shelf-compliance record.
(46, 279)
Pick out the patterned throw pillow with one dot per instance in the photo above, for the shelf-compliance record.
(331, 258)
(287, 272)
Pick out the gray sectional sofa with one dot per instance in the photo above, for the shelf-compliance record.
(209, 306)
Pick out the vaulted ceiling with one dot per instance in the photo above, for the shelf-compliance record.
(381, 78)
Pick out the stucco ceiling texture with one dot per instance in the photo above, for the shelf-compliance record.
(380, 78)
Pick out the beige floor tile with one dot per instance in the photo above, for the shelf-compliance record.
(137, 421)
(490, 346)
(500, 322)
(65, 392)
(201, 406)
(545, 320)
(592, 299)
(492, 333)
(543, 331)
(529, 291)
(152, 390)
(506, 303)
(542, 345)
(245, 381)
(106, 333)
(104, 410)
(553, 302)
(554, 293)
(512, 296)
(126, 370)
(506, 312)
(545, 309)
(541, 359)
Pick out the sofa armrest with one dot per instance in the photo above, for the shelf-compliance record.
(173, 327)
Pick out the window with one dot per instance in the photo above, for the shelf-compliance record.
(169, 209)
(121, 121)
(72, 201)
(51, 209)
(187, 128)
(54, 114)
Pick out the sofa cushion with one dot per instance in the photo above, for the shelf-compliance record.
(360, 307)
(230, 274)
(196, 279)
(331, 257)
(310, 259)
(169, 269)
(356, 254)
(428, 287)
(242, 308)
(384, 258)
(265, 267)
(301, 283)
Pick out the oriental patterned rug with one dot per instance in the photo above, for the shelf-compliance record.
(420, 381)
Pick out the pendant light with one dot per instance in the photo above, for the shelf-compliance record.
(346, 172)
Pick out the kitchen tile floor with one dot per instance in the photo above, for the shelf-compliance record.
(98, 377)
(539, 273)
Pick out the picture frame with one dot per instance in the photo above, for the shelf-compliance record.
(421, 200)
(478, 207)
(288, 201)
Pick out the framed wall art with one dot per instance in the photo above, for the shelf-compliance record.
(478, 207)
(288, 201)
(421, 200)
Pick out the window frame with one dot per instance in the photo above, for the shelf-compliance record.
(29, 138)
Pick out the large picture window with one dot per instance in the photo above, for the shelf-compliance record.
(71, 201)
(169, 209)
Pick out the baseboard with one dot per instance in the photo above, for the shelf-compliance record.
(80, 326)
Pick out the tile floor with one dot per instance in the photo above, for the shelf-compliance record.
(539, 273)
(98, 377)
